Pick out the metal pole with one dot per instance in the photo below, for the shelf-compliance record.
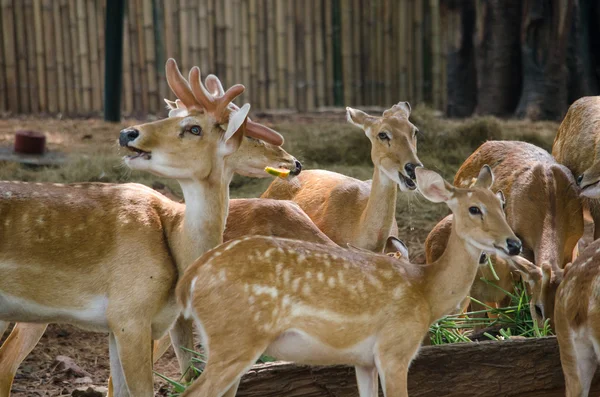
(113, 70)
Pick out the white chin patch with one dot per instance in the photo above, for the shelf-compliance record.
(592, 191)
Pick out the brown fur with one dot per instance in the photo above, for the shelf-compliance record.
(347, 210)
(542, 207)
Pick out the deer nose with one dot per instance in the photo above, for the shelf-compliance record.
(514, 246)
(298, 165)
(128, 135)
(410, 170)
(579, 179)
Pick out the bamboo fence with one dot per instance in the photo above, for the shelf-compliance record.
(302, 55)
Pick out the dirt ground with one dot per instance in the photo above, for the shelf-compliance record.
(319, 141)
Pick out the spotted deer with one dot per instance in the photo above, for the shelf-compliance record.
(577, 318)
(577, 146)
(317, 304)
(361, 212)
(121, 248)
(543, 209)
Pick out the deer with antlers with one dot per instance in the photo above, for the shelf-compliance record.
(318, 304)
(362, 213)
(121, 248)
(543, 209)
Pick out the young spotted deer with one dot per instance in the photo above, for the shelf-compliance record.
(122, 248)
(348, 210)
(577, 146)
(543, 209)
(318, 304)
(577, 318)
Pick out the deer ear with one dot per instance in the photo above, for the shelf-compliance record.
(358, 117)
(394, 244)
(170, 104)
(529, 271)
(500, 196)
(401, 107)
(432, 186)
(485, 179)
(235, 129)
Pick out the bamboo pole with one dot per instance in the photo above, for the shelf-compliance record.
(346, 14)
(373, 54)
(39, 52)
(84, 57)
(246, 61)
(135, 58)
(402, 49)
(418, 31)
(410, 52)
(141, 49)
(262, 56)
(379, 50)
(170, 33)
(436, 53)
(154, 100)
(127, 62)
(329, 80)
(220, 44)
(184, 39)
(319, 55)
(3, 103)
(10, 55)
(96, 77)
(60, 60)
(356, 52)
(211, 35)
(228, 43)
(281, 54)
(388, 50)
(271, 54)
(237, 42)
(50, 57)
(291, 55)
(21, 49)
(193, 32)
(159, 63)
(255, 94)
(300, 58)
(203, 35)
(447, 35)
(308, 48)
(69, 58)
(101, 18)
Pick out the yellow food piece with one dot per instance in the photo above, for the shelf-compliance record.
(282, 173)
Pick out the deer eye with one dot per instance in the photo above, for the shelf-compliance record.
(195, 130)
(474, 211)
(383, 136)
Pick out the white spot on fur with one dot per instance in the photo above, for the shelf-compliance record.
(306, 289)
(308, 275)
(265, 290)
(286, 277)
(223, 275)
(320, 276)
(296, 284)
(397, 293)
(269, 252)
(331, 282)
(340, 275)
(232, 244)
(251, 299)
(278, 269)
(187, 313)
(301, 258)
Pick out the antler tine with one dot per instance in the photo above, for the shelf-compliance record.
(214, 85)
(200, 92)
(178, 84)
(263, 133)
(223, 101)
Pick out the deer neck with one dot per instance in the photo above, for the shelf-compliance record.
(200, 227)
(378, 216)
(448, 280)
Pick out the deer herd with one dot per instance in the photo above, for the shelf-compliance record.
(312, 272)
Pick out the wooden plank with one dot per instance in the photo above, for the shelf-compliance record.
(329, 80)
(410, 53)
(300, 57)
(388, 50)
(245, 47)
(141, 50)
(60, 58)
(418, 43)
(170, 32)
(357, 23)
(254, 63)
(101, 21)
(402, 19)
(184, 39)
(227, 46)
(50, 57)
(84, 57)
(21, 48)
(262, 56)
(236, 42)
(135, 58)
(127, 69)
(211, 35)
(203, 36)
(524, 368)
(8, 40)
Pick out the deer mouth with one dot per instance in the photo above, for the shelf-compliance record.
(409, 183)
(139, 153)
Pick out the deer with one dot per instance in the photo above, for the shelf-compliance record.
(127, 240)
(577, 319)
(320, 305)
(544, 210)
(576, 147)
(348, 210)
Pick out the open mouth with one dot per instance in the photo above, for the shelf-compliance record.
(410, 184)
(138, 153)
(502, 249)
(589, 186)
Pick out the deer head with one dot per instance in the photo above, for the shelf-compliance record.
(393, 142)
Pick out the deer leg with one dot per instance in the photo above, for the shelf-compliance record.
(117, 387)
(133, 343)
(233, 389)
(579, 364)
(182, 335)
(21, 341)
(367, 381)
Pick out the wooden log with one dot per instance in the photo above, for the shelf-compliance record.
(39, 55)
(10, 57)
(60, 58)
(281, 54)
(100, 22)
(220, 41)
(154, 100)
(194, 40)
(319, 55)
(74, 36)
(141, 50)
(402, 49)
(170, 32)
(291, 55)
(522, 367)
(21, 48)
(347, 77)
(97, 84)
(69, 58)
(211, 36)
(300, 57)
(50, 57)
(84, 57)
(236, 42)
(184, 39)
(410, 52)
(271, 54)
(309, 59)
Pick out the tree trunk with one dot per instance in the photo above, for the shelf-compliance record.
(524, 368)
(498, 56)
(584, 51)
(462, 74)
(544, 37)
